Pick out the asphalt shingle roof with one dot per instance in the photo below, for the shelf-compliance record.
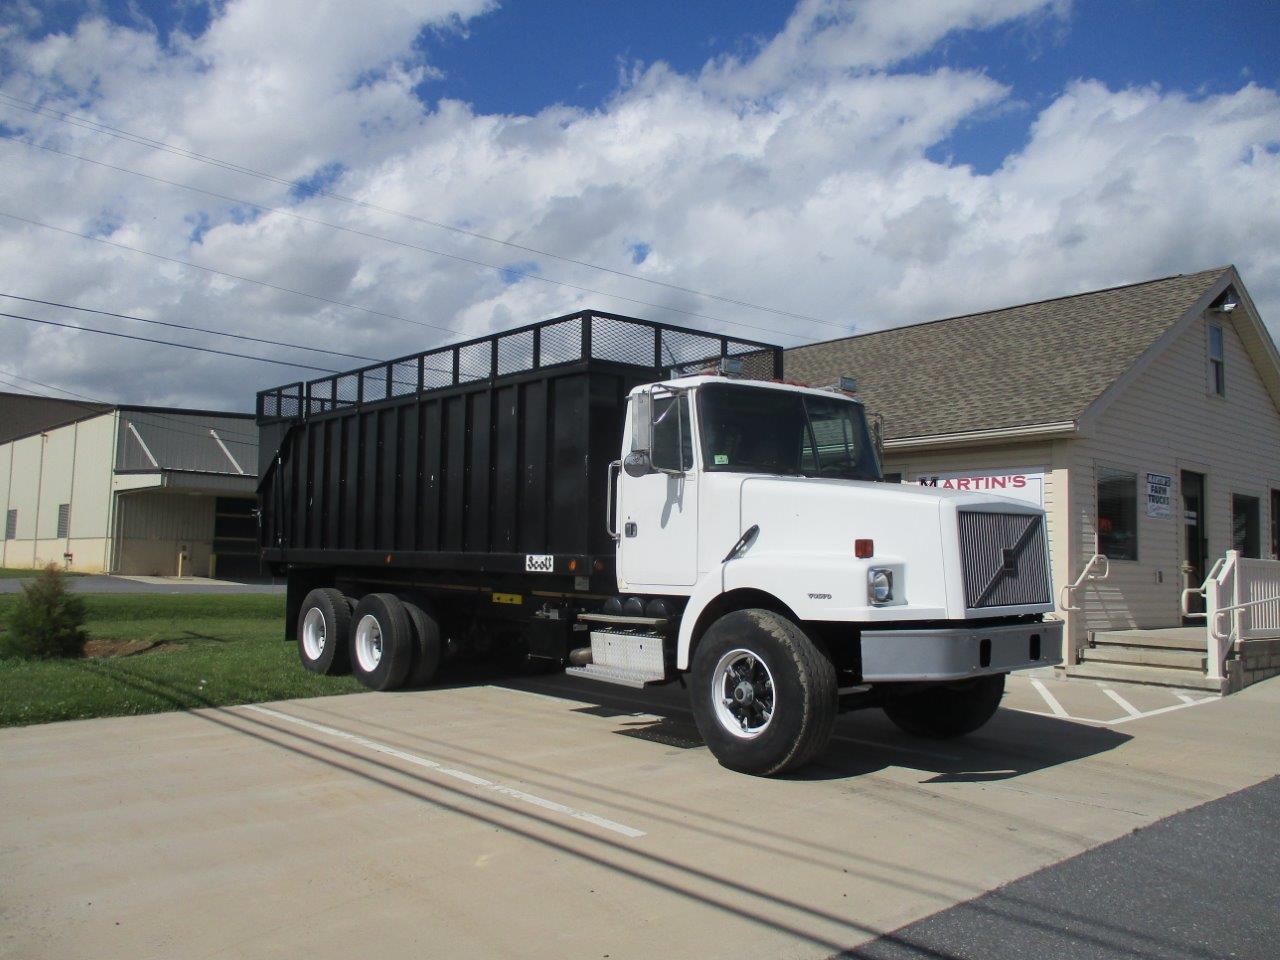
(1036, 363)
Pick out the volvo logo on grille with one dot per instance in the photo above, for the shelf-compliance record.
(1010, 564)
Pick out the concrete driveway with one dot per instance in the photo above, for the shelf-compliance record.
(551, 818)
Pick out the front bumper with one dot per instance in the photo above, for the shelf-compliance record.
(955, 653)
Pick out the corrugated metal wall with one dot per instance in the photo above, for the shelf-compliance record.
(181, 441)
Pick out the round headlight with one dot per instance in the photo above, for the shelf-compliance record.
(880, 586)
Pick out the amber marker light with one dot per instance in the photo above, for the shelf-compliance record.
(862, 549)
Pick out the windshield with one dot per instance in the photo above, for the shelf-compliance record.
(753, 430)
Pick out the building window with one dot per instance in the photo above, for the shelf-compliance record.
(1117, 514)
(892, 478)
(64, 520)
(11, 525)
(1245, 535)
(1275, 524)
(1217, 361)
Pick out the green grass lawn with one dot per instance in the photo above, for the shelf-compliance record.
(211, 651)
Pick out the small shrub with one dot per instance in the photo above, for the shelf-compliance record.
(46, 622)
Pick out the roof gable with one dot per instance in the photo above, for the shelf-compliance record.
(1037, 363)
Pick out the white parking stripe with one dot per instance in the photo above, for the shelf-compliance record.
(1156, 713)
(1050, 699)
(1125, 705)
(462, 775)
(1185, 697)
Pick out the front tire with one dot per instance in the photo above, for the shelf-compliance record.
(764, 696)
(324, 624)
(952, 710)
(382, 642)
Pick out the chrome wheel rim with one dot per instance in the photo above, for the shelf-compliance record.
(368, 643)
(743, 694)
(314, 634)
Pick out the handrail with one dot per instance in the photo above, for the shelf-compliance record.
(1085, 574)
(1190, 592)
(609, 520)
(1236, 606)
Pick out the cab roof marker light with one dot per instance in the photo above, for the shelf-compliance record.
(846, 385)
(864, 549)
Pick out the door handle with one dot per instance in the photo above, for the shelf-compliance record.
(630, 528)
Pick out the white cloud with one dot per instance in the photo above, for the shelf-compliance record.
(798, 177)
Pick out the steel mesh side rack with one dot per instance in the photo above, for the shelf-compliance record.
(590, 335)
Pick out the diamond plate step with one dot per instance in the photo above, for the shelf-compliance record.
(618, 675)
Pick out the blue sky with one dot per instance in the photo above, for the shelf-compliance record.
(525, 56)
(864, 162)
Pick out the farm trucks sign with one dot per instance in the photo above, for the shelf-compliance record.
(1026, 485)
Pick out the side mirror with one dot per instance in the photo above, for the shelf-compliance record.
(637, 464)
(877, 436)
(642, 424)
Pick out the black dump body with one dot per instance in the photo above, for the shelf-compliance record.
(466, 459)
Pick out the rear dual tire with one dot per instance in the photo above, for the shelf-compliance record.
(382, 642)
(324, 624)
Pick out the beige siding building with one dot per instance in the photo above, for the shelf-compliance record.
(133, 490)
(1145, 419)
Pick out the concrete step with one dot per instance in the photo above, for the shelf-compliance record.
(1174, 638)
(1153, 676)
(1142, 656)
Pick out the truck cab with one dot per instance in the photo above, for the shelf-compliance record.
(764, 503)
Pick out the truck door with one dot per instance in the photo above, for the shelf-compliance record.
(658, 512)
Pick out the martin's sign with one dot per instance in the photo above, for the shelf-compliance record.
(1026, 485)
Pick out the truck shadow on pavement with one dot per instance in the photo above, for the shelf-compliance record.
(1012, 745)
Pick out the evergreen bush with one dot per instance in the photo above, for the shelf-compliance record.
(46, 622)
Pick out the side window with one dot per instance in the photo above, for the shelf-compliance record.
(1117, 514)
(1275, 524)
(672, 432)
(1217, 361)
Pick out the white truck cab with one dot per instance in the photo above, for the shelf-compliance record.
(792, 580)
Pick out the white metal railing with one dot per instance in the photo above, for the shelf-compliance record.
(1068, 589)
(1242, 603)
(1200, 591)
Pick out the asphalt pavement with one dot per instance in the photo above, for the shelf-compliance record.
(1200, 884)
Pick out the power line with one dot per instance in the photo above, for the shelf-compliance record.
(168, 343)
(97, 402)
(506, 271)
(183, 326)
(117, 133)
(222, 273)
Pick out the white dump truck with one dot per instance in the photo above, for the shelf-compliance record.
(640, 504)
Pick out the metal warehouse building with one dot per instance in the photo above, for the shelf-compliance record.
(125, 489)
(1145, 419)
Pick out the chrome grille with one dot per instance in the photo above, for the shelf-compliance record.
(1004, 558)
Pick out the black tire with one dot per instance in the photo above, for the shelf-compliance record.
(428, 644)
(804, 697)
(381, 661)
(947, 710)
(327, 653)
